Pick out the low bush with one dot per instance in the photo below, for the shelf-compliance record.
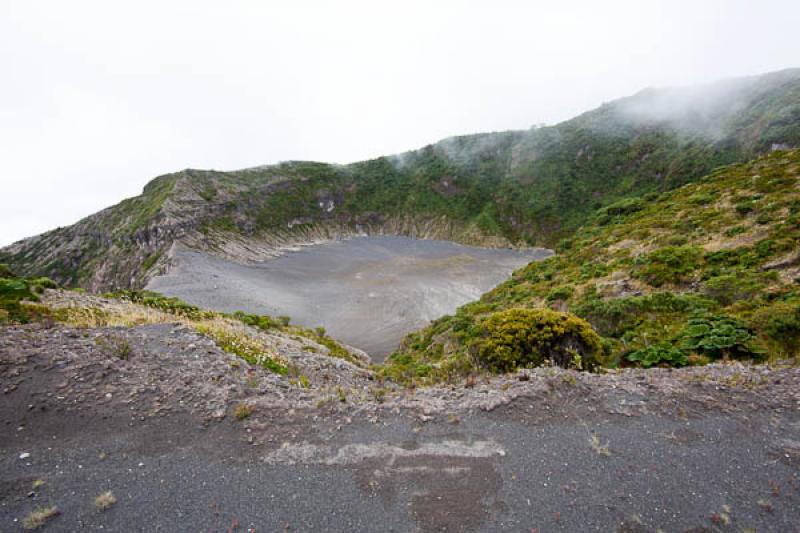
(730, 288)
(163, 303)
(560, 293)
(528, 337)
(664, 353)
(5, 271)
(670, 264)
(779, 325)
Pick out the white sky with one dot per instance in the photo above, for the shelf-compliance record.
(97, 98)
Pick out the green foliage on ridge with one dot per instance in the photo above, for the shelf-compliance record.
(667, 283)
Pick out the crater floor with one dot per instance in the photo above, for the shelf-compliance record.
(368, 291)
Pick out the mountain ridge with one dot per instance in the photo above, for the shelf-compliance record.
(514, 188)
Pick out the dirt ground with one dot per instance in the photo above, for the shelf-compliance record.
(715, 448)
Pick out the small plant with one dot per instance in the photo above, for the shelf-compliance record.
(379, 393)
(304, 382)
(37, 484)
(720, 337)
(569, 379)
(663, 353)
(243, 411)
(105, 500)
(598, 447)
(320, 331)
(39, 517)
(117, 346)
(341, 394)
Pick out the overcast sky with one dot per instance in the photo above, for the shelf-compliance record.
(97, 98)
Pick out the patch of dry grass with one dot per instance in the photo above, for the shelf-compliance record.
(39, 517)
(228, 334)
(598, 447)
(242, 411)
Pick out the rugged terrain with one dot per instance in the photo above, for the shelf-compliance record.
(675, 281)
(718, 258)
(517, 188)
(161, 424)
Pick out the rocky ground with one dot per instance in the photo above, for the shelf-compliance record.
(713, 448)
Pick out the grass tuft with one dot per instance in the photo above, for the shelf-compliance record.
(105, 500)
(39, 517)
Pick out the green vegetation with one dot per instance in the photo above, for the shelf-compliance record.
(245, 347)
(116, 345)
(720, 337)
(667, 283)
(282, 323)
(528, 337)
(17, 295)
(173, 306)
(663, 353)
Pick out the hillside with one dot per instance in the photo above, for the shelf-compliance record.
(709, 270)
(516, 188)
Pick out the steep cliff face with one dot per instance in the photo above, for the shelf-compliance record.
(515, 188)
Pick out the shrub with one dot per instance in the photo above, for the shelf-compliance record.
(746, 207)
(657, 354)
(116, 346)
(560, 293)
(44, 283)
(780, 324)
(14, 289)
(720, 337)
(734, 231)
(523, 337)
(12, 293)
(621, 208)
(730, 288)
(163, 303)
(5, 271)
(670, 264)
(264, 322)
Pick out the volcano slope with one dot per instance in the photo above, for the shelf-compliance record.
(198, 420)
(516, 188)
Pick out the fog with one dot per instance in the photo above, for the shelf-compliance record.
(97, 98)
(701, 109)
